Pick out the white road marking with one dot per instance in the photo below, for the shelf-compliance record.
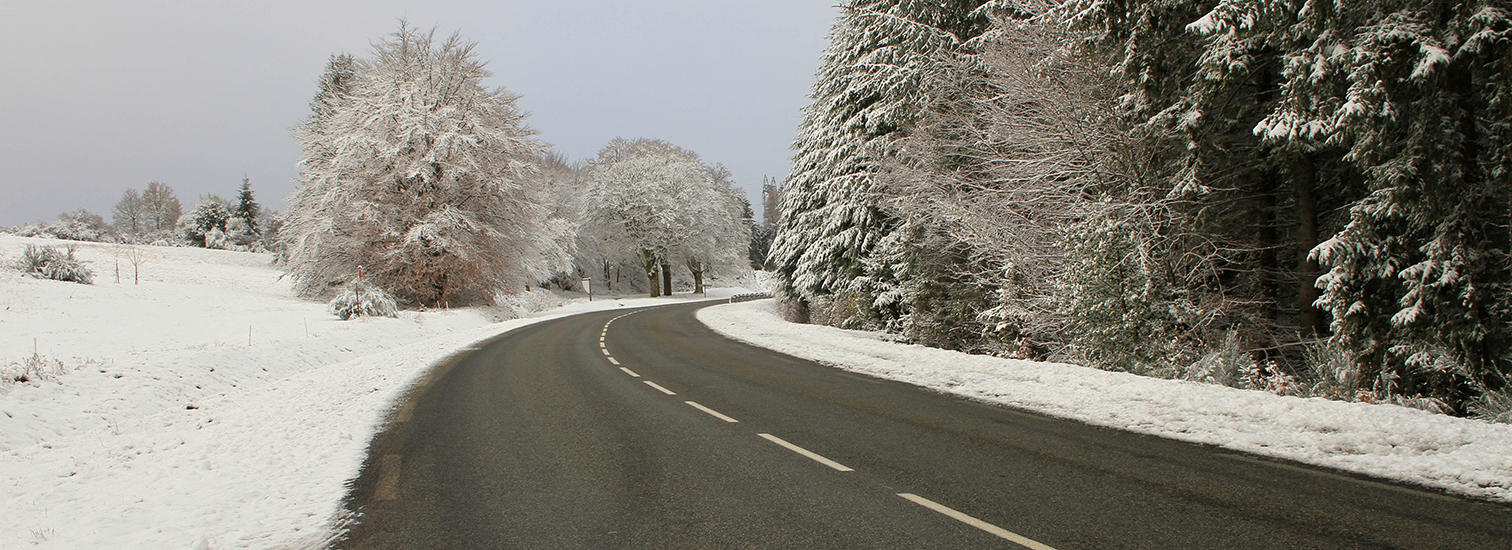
(388, 479)
(630, 372)
(805, 452)
(659, 388)
(613, 361)
(711, 412)
(1002, 533)
(606, 352)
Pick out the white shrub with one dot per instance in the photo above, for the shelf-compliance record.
(216, 239)
(364, 299)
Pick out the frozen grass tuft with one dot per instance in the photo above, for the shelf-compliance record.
(36, 368)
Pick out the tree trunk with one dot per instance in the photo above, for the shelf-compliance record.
(696, 268)
(648, 260)
(666, 278)
(1304, 181)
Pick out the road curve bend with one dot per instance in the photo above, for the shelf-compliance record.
(644, 429)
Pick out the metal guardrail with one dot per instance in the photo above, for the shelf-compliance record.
(746, 297)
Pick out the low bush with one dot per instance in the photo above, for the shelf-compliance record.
(50, 262)
(361, 299)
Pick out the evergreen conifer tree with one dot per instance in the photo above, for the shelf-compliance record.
(868, 88)
(246, 206)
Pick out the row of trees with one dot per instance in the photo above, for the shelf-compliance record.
(155, 215)
(429, 184)
(1145, 186)
(658, 205)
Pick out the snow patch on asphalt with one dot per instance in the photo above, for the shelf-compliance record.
(1465, 456)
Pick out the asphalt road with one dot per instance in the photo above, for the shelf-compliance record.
(546, 438)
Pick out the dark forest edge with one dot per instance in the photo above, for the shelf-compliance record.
(1306, 197)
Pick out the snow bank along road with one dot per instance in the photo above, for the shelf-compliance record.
(645, 429)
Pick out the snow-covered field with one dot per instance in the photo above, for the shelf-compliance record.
(1465, 456)
(205, 407)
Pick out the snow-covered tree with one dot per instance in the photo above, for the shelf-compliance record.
(869, 86)
(210, 215)
(1419, 282)
(417, 173)
(162, 208)
(247, 208)
(656, 203)
(636, 191)
(130, 214)
(721, 237)
(80, 225)
(1019, 145)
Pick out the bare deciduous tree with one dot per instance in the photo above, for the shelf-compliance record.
(1021, 143)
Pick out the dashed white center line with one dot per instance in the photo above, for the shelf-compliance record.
(659, 388)
(711, 412)
(613, 361)
(1002, 533)
(606, 352)
(805, 452)
(630, 372)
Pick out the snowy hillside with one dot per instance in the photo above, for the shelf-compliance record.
(1465, 456)
(158, 424)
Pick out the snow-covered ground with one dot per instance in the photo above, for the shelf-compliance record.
(207, 406)
(1460, 455)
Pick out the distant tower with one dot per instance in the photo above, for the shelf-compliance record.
(771, 200)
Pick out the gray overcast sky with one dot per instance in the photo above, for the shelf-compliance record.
(100, 96)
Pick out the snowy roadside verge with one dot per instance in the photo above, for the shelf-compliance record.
(168, 428)
(1459, 455)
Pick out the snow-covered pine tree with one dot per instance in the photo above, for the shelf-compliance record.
(333, 89)
(420, 175)
(1238, 213)
(869, 87)
(1419, 282)
(246, 207)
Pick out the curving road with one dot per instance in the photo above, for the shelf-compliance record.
(644, 429)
